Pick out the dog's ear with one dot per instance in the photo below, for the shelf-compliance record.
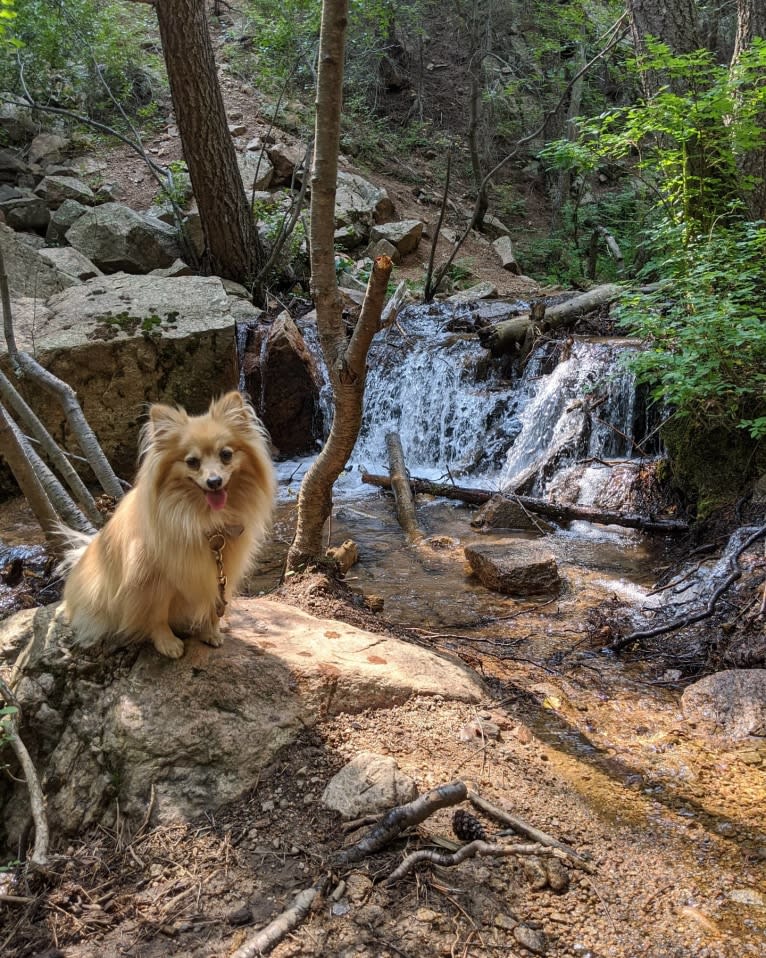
(233, 408)
(164, 420)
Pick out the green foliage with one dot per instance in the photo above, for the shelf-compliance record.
(178, 189)
(704, 327)
(75, 53)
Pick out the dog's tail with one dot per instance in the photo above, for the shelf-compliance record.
(73, 545)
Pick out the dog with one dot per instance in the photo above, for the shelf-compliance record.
(180, 542)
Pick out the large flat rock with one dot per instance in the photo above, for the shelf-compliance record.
(110, 727)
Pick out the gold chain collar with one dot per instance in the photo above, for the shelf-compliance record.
(217, 542)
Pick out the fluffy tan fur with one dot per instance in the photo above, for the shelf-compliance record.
(150, 572)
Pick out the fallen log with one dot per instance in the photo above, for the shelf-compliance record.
(405, 504)
(513, 334)
(552, 510)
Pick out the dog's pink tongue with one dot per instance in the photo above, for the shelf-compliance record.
(216, 500)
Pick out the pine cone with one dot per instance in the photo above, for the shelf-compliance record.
(467, 827)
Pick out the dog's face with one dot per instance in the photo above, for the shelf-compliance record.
(202, 456)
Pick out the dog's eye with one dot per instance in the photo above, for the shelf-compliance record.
(192, 462)
(226, 455)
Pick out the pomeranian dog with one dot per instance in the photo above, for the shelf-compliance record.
(179, 543)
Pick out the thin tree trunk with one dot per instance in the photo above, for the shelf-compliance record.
(346, 361)
(751, 23)
(234, 248)
(25, 476)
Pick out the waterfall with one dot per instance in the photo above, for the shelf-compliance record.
(460, 417)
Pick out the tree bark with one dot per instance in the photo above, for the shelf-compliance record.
(675, 23)
(405, 504)
(346, 361)
(514, 334)
(751, 23)
(551, 510)
(234, 248)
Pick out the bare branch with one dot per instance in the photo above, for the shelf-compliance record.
(472, 850)
(398, 819)
(269, 937)
(369, 319)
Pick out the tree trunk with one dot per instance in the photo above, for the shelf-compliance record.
(551, 510)
(346, 361)
(234, 248)
(751, 23)
(675, 23)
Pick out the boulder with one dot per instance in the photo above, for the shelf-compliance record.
(70, 262)
(359, 203)
(256, 171)
(282, 378)
(118, 239)
(494, 228)
(22, 209)
(61, 219)
(107, 726)
(125, 341)
(47, 148)
(55, 189)
(28, 273)
(483, 290)
(504, 249)
(369, 785)
(286, 160)
(518, 569)
(501, 512)
(383, 248)
(731, 703)
(348, 238)
(404, 234)
(16, 120)
(11, 166)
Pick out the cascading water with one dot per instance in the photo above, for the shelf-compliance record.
(460, 418)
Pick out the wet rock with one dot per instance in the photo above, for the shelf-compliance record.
(519, 569)
(503, 512)
(731, 703)
(403, 234)
(55, 189)
(282, 377)
(116, 238)
(348, 238)
(369, 784)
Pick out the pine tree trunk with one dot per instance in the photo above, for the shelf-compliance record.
(751, 23)
(675, 23)
(234, 248)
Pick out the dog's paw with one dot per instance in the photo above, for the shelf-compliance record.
(168, 645)
(212, 638)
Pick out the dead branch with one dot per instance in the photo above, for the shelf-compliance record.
(9, 727)
(405, 504)
(552, 510)
(269, 937)
(26, 476)
(529, 831)
(428, 289)
(619, 644)
(392, 307)
(398, 819)
(482, 849)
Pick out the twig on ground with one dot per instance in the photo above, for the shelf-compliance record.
(529, 831)
(269, 937)
(471, 850)
(394, 822)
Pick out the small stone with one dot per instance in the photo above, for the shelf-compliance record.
(505, 922)
(427, 915)
(531, 939)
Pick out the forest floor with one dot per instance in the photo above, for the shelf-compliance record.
(594, 754)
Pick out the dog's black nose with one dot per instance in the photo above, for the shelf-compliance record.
(214, 482)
